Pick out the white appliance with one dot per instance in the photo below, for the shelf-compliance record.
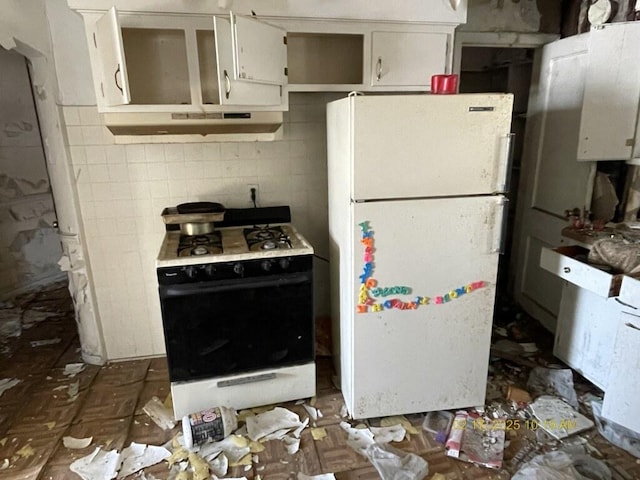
(416, 212)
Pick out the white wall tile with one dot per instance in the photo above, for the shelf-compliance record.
(89, 116)
(159, 189)
(116, 154)
(210, 151)
(135, 154)
(154, 152)
(74, 135)
(71, 116)
(96, 155)
(98, 173)
(174, 152)
(78, 155)
(193, 152)
(157, 171)
(93, 135)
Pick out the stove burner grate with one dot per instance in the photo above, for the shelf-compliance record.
(196, 245)
(266, 238)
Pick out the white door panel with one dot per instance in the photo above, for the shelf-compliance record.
(408, 146)
(552, 178)
(107, 40)
(434, 356)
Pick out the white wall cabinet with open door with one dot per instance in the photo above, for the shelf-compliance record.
(188, 64)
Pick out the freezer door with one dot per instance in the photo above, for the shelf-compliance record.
(409, 146)
(434, 356)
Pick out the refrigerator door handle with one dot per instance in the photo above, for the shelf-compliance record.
(504, 177)
(500, 244)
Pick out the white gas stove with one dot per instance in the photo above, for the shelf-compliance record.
(237, 314)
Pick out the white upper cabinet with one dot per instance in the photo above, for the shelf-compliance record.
(611, 93)
(160, 63)
(107, 40)
(259, 51)
(407, 58)
(233, 89)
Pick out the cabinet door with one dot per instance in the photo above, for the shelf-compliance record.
(586, 333)
(611, 93)
(621, 397)
(107, 41)
(232, 91)
(259, 51)
(407, 58)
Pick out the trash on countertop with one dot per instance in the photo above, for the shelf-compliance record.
(7, 383)
(208, 425)
(159, 413)
(394, 464)
(557, 418)
(616, 434)
(72, 442)
(553, 381)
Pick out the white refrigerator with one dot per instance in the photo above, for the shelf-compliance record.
(416, 211)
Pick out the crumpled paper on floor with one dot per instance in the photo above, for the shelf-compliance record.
(159, 413)
(557, 418)
(322, 476)
(616, 434)
(394, 464)
(274, 424)
(138, 456)
(72, 442)
(98, 465)
(7, 383)
(553, 381)
(234, 447)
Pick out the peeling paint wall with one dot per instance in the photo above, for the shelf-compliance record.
(29, 246)
(542, 16)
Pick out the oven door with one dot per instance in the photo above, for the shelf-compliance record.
(226, 327)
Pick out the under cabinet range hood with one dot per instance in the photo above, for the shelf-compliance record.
(133, 127)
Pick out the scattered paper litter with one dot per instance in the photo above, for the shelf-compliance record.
(399, 419)
(393, 464)
(26, 451)
(312, 411)
(161, 415)
(72, 369)
(49, 341)
(98, 465)
(72, 442)
(7, 383)
(138, 456)
(323, 476)
(394, 433)
(292, 444)
(5, 464)
(318, 433)
(277, 420)
(200, 467)
(219, 465)
(73, 390)
(358, 438)
(558, 418)
(234, 447)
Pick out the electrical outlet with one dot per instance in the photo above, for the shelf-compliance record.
(253, 193)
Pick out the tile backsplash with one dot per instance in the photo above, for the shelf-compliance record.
(122, 190)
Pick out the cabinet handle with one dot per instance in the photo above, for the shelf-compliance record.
(379, 69)
(227, 87)
(566, 270)
(115, 77)
(454, 4)
(625, 304)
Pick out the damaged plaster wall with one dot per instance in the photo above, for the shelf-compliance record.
(29, 246)
(25, 28)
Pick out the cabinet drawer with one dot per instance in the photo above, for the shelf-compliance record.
(630, 292)
(570, 264)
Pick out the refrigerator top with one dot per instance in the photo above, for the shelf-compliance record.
(417, 146)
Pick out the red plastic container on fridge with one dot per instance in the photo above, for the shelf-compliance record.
(444, 84)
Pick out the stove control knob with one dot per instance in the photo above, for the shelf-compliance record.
(284, 263)
(238, 268)
(266, 265)
(191, 272)
(210, 270)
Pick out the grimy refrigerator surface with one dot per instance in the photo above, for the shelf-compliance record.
(415, 219)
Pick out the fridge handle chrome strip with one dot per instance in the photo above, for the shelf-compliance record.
(503, 228)
(508, 152)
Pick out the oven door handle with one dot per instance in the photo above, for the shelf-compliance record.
(167, 291)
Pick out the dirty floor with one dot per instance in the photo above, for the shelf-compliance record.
(45, 406)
